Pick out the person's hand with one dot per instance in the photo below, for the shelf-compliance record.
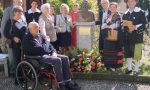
(59, 29)
(54, 54)
(74, 22)
(47, 38)
(16, 39)
(132, 28)
(124, 23)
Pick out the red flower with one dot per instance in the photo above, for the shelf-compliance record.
(72, 69)
(119, 54)
(82, 67)
(93, 64)
(80, 59)
(93, 67)
(120, 61)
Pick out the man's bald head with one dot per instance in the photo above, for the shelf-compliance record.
(34, 28)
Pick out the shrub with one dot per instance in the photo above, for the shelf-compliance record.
(1, 12)
(70, 3)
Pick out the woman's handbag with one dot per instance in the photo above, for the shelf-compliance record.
(112, 35)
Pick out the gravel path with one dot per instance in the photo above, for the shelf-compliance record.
(111, 85)
(7, 84)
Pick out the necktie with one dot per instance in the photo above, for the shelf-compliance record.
(66, 19)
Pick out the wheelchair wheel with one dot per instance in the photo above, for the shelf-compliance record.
(48, 83)
(26, 76)
(53, 85)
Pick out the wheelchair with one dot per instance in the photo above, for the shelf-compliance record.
(31, 74)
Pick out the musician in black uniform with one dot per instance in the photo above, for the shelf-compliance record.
(33, 13)
(134, 22)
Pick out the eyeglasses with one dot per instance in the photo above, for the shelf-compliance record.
(75, 5)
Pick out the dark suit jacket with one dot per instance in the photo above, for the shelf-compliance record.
(36, 46)
(99, 22)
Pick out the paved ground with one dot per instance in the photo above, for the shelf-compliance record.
(8, 84)
(111, 85)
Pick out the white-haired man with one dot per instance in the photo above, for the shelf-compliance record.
(35, 44)
(102, 16)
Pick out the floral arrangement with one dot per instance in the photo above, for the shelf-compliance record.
(84, 61)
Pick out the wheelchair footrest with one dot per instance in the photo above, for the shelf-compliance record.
(46, 67)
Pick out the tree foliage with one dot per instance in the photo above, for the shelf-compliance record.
(1, 12)
(57, 3)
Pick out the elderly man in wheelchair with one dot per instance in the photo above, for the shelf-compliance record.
(36, 47)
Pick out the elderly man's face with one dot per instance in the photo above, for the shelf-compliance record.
(18, 2)
(34, 29)
(104, 4)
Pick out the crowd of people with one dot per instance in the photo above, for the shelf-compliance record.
(39, 33)
(120, 36)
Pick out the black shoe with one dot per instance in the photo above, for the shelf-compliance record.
(128, 72)
(135, 73)
(72, 85)
(16, 83)
(62, 86)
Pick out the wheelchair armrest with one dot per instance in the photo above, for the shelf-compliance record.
(32, 57)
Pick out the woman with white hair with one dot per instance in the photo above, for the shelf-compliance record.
(64, 23)
(46, 23)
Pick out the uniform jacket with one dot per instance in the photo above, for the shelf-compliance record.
(139, 20)
(30, 16)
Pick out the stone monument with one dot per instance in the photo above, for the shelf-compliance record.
(84, 15)
(85, 25)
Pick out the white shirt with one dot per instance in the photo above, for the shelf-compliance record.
(105, 14)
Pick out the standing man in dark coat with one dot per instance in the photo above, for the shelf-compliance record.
(34, 44)
(102, 16)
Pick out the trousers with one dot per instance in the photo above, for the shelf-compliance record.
(60, 64)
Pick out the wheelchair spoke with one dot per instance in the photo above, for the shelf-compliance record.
(26, 76)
